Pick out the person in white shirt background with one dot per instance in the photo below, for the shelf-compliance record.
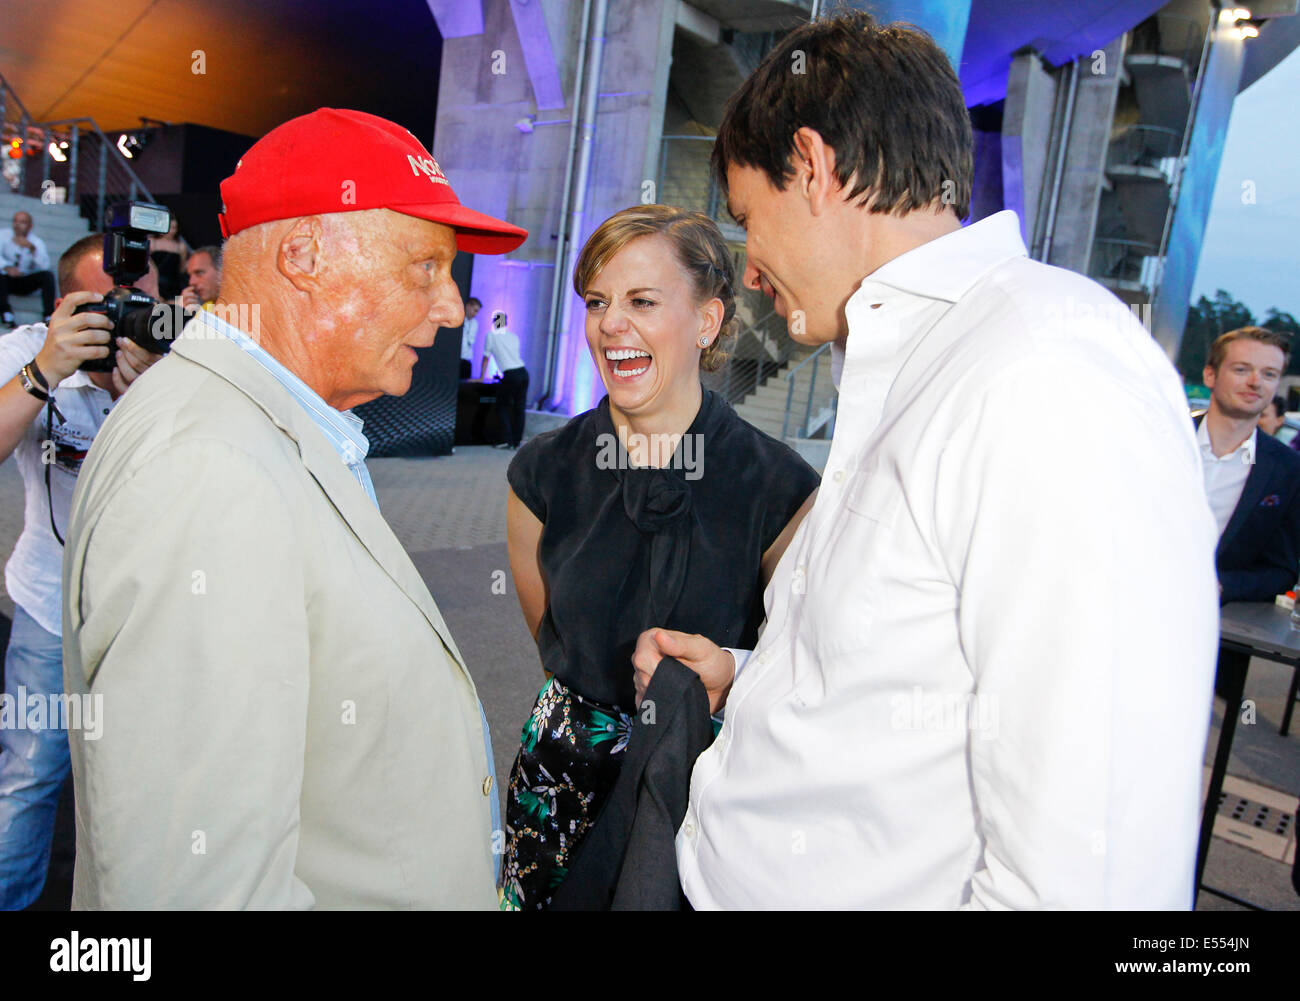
(502, 346)
(24, 268)
(51, 442)
(986, 674)
(468, 335)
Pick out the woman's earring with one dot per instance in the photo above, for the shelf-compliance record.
(704, 342)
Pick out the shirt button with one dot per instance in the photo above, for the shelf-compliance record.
(487, 786)
(689, 830)
(106, 410)
(839, 476)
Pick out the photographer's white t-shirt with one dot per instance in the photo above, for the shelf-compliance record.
(34, 573)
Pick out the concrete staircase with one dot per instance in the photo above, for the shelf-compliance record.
(60, 226)
(765, 408)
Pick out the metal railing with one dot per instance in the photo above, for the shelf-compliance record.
(808, 426)
(90, 167)
(1144, 145)
(1121, 260)
(1170, 35)
(685, 178)
(760, 351)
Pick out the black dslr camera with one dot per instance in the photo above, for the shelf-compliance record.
(126, 259)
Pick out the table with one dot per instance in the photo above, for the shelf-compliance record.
(1246, 629)
(477, 420)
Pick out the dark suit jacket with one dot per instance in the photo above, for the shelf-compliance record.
(1259, 552)
(628, 860)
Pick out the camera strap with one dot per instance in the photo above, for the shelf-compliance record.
(50, 411)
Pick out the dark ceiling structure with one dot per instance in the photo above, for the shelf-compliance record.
(239, 65)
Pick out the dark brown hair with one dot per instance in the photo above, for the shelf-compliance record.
(885, 98)
(700, 251)
(1219, 349)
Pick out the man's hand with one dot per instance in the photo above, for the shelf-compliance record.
(715, 666)
(13, 272)
(71, 339)
(132, 360)
(190, 299)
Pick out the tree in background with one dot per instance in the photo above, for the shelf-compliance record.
(1206, 320)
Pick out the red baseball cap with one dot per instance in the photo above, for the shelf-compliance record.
(335, 160)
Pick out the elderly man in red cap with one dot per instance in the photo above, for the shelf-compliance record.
(287, 721)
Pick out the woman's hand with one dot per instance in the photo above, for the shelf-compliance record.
(715, 666)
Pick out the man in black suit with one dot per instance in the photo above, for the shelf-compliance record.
(1251, 480)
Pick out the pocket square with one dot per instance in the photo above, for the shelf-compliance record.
(1272, 500)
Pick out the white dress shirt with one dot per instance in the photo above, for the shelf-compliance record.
(985, 677)
(25, 259)
(468, 335)
(34, 573)
(503, 346)
(1225, 475)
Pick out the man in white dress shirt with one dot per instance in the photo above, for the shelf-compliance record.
(468, 335)
(986, 673)
(502, 346)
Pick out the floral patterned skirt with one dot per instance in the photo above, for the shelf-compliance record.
(568, 761)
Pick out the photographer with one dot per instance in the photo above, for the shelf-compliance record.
(50, 439)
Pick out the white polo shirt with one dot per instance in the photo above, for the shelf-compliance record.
(34, 573)
(1225, 475)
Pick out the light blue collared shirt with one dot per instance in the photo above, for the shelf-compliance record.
(342, 428)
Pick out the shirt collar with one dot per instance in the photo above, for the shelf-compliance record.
(1207, 449)
(948, 267)
(941, 270)
(342, 427)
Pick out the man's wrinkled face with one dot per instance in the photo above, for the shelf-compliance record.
(1247, 379)
(22, 224)
(388, 291)
(204, 278)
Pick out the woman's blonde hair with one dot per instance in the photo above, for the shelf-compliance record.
(700, 251)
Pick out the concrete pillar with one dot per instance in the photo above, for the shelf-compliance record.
(1195, 191)
(1026, 119)
(501, 156)
(1085, 157)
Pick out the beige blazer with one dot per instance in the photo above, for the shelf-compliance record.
(286, 722)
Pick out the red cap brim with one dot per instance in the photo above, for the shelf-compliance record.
(476, 233)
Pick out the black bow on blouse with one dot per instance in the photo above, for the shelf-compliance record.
(658, 502)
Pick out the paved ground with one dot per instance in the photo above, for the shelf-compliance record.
(450, 515)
